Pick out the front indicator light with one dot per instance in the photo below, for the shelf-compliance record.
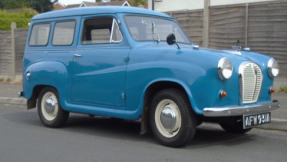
(223, 94)
(272, 90)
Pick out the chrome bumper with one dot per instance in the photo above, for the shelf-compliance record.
(240, 110)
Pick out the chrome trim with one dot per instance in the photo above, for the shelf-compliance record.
(240, 77)
(77, 55)
(20, 94)
(195, 47)
(28, 75)
(240, 110)
(220, 68)
(117, 27)
(247, 49)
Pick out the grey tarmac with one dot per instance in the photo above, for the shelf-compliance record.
(23, 138)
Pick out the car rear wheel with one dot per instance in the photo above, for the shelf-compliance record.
(172, 120)
(234, 125)
(50, 111)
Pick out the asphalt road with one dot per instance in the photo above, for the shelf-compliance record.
(23, 138)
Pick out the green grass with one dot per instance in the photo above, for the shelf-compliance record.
(8, 80)
(283, 89)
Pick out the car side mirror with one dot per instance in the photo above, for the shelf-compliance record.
(170, 39)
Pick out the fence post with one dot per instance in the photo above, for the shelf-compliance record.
(206, 23)
(246, 26)
(13, 27)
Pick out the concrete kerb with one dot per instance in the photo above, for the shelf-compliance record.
(15, 101)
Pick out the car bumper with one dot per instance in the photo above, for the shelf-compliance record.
(240, 110)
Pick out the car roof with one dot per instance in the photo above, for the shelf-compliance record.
(97, 10)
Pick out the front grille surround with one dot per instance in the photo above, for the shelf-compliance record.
(250, 80)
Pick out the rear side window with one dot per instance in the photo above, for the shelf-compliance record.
(64, 33)
(101, 30)
(40, 34)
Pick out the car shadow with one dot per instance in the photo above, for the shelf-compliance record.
(207, 135)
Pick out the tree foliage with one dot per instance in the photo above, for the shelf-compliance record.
(21, 19)
(137, 2)
(38, 5)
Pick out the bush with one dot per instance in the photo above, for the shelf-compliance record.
(21, 19)
(283, 89)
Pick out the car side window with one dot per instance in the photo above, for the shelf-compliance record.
(64, 33)
(101, 30)
(40, 34)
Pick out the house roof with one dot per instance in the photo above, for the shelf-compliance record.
(97, 10)
(112, 3)
(59, 4)
(72, 5)
(90, 3)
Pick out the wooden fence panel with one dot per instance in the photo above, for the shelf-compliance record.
(267, 31)
(5, 53)
(192, 24)
(20, 42)
(227, 25)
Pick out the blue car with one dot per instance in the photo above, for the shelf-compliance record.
(132, 63)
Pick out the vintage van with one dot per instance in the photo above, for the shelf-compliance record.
(132, 63)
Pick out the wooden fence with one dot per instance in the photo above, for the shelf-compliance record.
(259, 26)
(5, 53)
(6, 56)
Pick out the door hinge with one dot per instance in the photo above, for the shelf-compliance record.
(123, 96)
(127, 59)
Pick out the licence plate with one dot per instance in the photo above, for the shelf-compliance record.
(250, 121)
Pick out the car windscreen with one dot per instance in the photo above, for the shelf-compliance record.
(147, 28)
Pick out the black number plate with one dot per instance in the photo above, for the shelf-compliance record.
(250, 121)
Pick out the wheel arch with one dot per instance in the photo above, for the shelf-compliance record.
(31, 102)
(152, 89)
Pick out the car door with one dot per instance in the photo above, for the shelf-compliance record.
(99, 63)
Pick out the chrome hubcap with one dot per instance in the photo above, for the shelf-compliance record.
(49, 106)
(168, 118)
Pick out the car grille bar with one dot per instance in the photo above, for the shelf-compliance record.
(251, 81)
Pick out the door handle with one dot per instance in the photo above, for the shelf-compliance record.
(77, 55)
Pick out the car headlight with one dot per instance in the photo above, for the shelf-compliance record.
(273, 68)
(224, 68)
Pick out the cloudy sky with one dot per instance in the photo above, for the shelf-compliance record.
(66, 2)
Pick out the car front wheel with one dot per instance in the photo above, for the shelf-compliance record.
(171, 118)
(50, 111)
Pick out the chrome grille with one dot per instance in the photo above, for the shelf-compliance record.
(251, 82)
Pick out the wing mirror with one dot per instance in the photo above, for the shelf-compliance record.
(170, 39)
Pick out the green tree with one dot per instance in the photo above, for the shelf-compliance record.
(42, 5)
(137, 2)
(13, 4)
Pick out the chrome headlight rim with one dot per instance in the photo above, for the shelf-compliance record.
(270, 67)
(221, 68)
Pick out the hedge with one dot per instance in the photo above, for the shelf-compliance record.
(21, 19)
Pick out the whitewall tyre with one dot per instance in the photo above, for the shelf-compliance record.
(172, 120)
(50, 111)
